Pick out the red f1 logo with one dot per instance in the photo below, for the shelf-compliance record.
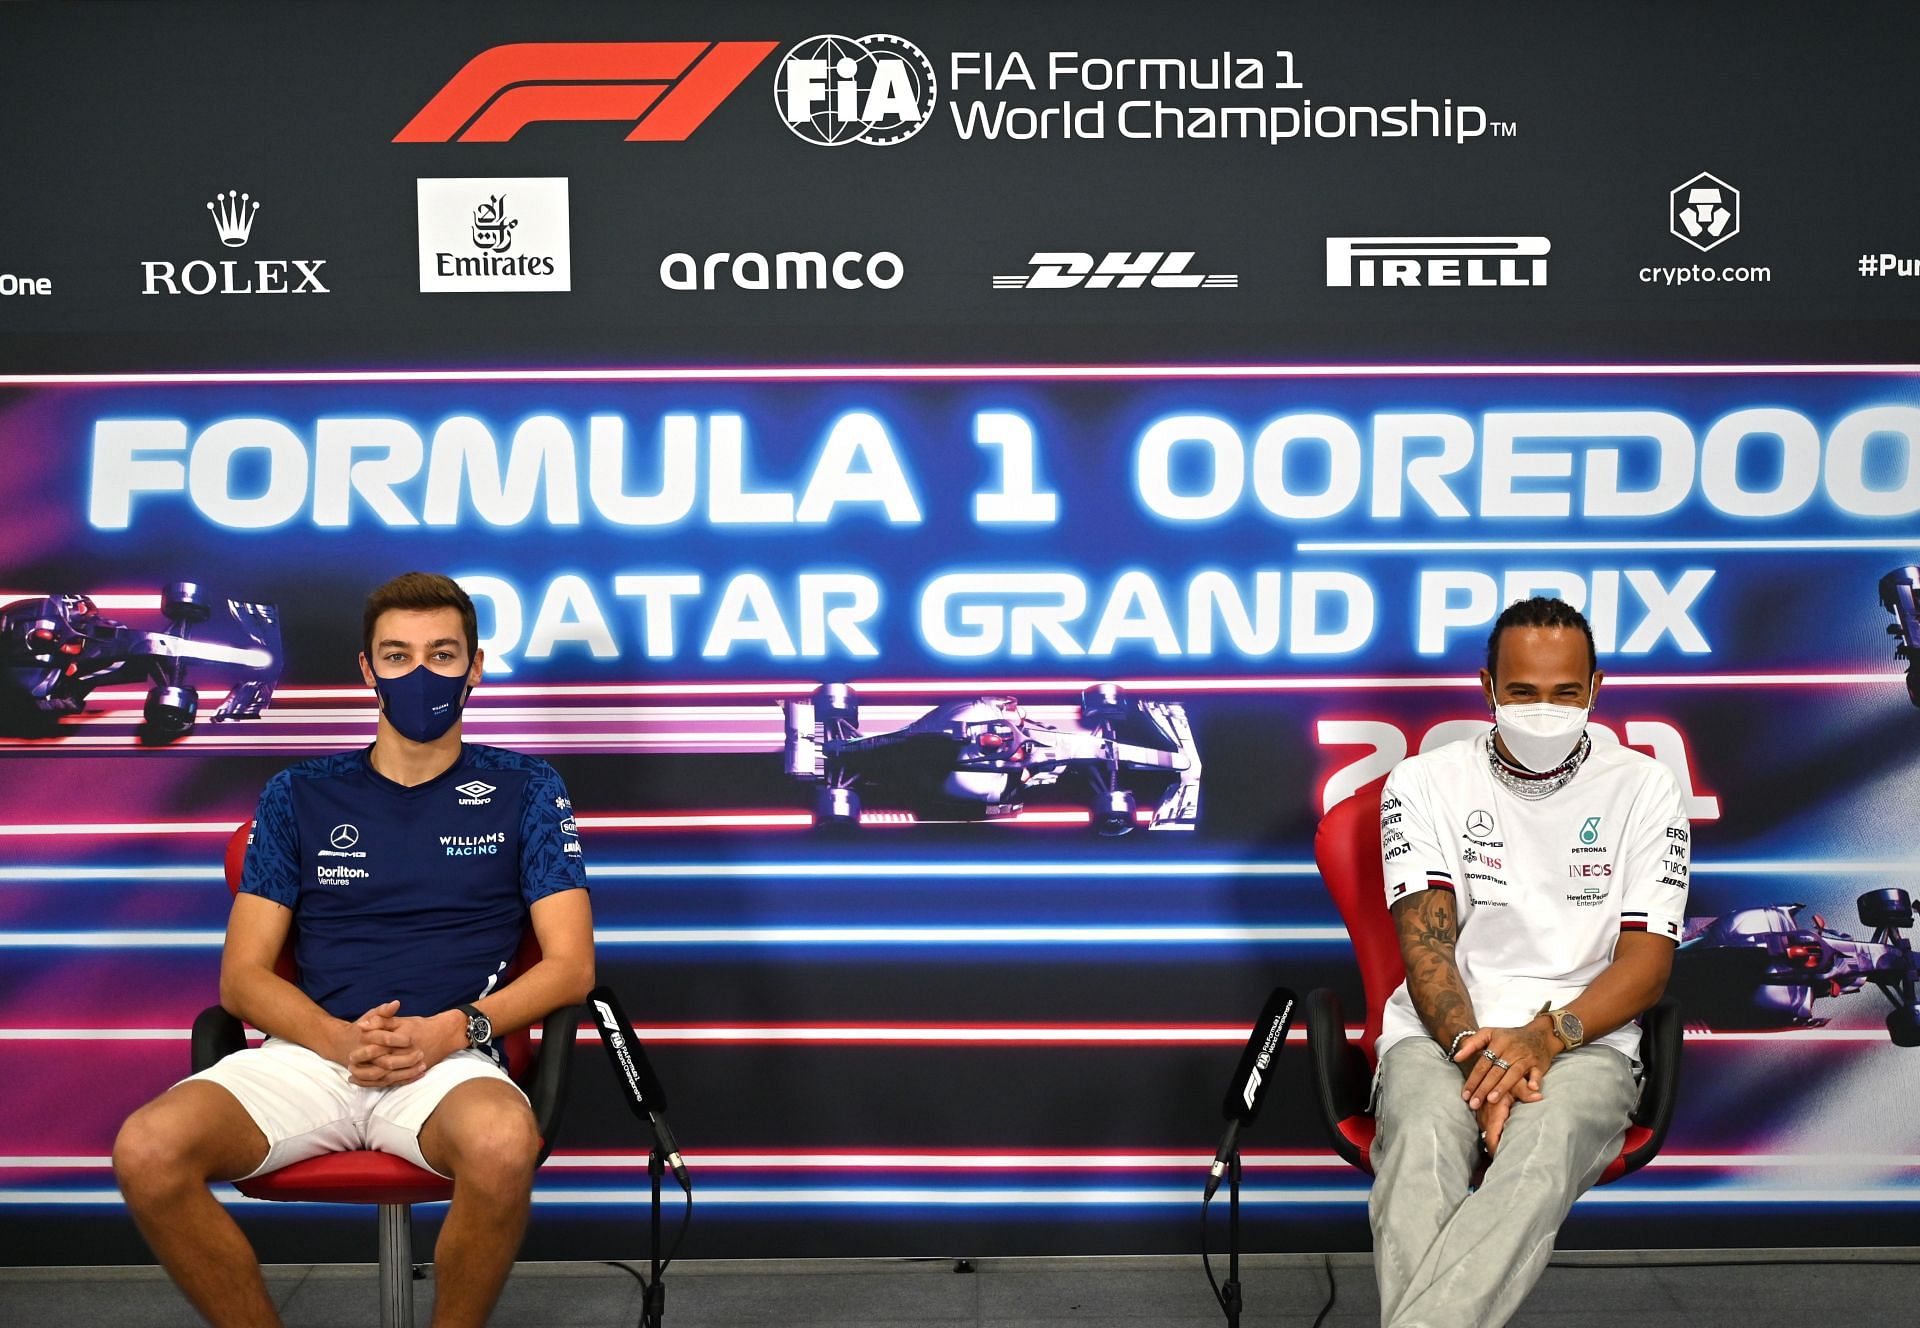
(668, 87)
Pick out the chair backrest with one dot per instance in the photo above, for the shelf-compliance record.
(1347, 849)
(518, 1046)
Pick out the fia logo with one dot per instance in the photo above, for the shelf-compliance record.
(833, 90)
(1590, 831)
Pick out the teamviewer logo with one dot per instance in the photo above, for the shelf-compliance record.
(1705, 212)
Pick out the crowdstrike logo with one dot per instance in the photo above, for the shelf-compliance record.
(233, 213)
(1159, 268)
(495, 235)
(783, 271)
(1705, 211)
(832, 90)
(1500, 260)
(665, 90)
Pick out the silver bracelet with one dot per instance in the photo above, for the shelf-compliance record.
(1458, 1038)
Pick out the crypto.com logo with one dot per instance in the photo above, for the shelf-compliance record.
(1705, 211)
(670, 88)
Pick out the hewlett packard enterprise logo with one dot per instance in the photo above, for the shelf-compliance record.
(1379, 260)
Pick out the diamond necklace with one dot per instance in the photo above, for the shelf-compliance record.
(1524, 783)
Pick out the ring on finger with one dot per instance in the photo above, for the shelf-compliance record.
(1505, 1065)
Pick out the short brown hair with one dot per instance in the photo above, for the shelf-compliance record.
(420, 590)
(1540, 611)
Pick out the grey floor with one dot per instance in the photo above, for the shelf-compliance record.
(1022, 1293)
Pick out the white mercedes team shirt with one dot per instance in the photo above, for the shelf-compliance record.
(1542, 889)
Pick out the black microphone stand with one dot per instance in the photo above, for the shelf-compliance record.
(1230, 1289)
(655, 1306)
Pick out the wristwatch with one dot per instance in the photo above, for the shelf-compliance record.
(480, 1028)
(1566, 1025)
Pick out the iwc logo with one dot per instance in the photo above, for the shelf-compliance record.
(833, 90)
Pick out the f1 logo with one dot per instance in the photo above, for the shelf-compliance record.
(1252, 1090)
(670, 88)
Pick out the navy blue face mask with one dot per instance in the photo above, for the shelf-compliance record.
(423, 704)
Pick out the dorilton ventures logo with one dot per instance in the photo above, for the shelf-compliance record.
(495, 235)
(1164, 269)
(783, 271)
(665, 90)
(233, 213)
(1382, 260)
(833, 90)
(1705, 211)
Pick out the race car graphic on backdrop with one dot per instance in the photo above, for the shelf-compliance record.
(981, 759)
(1765, 967)
(56, 649)
(1898, 591)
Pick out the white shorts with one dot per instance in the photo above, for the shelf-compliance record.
(307, 1105)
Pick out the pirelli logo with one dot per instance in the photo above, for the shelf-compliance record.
(662, 91)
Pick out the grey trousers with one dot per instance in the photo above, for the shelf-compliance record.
(1450, 1256)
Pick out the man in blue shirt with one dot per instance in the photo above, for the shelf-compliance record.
(407, 872)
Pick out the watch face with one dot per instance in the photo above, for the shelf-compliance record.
(1575, 1033)
(479, 1030)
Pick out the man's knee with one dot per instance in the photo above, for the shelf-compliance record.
(494, 1143)
(156, 1151)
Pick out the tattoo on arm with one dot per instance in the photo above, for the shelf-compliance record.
(1427, 926)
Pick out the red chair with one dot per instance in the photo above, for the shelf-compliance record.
(1347, 849)
(366, 1177)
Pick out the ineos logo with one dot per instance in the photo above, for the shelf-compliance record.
(1479, 824)
(344, 836)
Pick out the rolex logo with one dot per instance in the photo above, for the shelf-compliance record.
(233, 217)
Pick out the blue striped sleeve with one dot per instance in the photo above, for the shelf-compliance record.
(272, 868)
(550, 857)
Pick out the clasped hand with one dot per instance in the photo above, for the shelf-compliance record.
(383, 1050)
(1525, 1052)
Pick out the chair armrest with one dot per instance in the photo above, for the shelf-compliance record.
(216, 1035)
(1661, 1030)
(1341, 1082)
(552, 1072)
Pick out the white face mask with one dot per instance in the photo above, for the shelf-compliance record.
(1540, 735)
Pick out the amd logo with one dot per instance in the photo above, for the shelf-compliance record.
(1514, 260)
(783, 271)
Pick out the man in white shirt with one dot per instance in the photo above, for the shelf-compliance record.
(1538, 882)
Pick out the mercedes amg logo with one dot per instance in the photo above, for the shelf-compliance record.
(1479, 824)
(344, 836)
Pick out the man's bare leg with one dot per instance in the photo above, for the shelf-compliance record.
(166, 1154)
(483, 1135)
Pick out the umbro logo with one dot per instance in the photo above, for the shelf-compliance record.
(477, 793)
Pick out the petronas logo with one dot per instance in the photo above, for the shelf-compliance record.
(1590, 831)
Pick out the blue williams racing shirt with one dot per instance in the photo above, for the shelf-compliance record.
(412, 894)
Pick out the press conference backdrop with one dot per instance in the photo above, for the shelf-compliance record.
(1248, 359)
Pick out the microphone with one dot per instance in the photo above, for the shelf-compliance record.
(644, 1093)
(1247, 1091)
